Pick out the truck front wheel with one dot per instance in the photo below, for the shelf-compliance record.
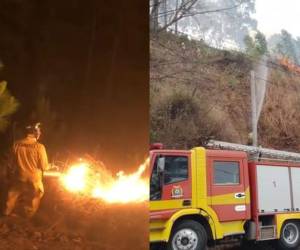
(188, 235)
(290, 236)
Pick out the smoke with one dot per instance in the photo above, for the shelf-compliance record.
(261, 79)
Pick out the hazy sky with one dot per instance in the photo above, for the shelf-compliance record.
(274, 15)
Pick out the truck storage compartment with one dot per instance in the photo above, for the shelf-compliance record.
(274, 189)
(295, 174)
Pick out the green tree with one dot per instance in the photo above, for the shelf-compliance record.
(8, 106)
(297, 47)
(256, 46)
(249, 44)
(261, 44)
(286, 46)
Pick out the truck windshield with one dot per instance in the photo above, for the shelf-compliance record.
(175, 170)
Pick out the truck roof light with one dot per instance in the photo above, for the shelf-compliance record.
(154, 146)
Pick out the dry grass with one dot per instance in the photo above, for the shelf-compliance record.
(216, 84)
(280, 120)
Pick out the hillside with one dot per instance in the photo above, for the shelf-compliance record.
(198, 92)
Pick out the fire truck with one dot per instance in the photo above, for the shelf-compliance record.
(225, 190)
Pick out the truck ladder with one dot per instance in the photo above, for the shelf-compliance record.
(256, 153)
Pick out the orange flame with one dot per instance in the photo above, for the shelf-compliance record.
(289, 65)
(81, 178)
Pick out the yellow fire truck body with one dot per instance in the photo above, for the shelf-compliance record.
(207, 195)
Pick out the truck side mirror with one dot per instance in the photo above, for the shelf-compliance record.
(161, 165)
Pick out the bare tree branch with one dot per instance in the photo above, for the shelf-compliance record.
(185, 9)
(215, 10)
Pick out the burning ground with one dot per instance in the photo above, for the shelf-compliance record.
(75, 216)
(91, 178)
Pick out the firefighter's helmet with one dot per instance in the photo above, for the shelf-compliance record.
(34, 129)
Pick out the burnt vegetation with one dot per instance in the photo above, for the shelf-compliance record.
(198, 92)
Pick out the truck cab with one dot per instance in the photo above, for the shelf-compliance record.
(209, 188)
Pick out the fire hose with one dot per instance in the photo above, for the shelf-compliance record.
(50, 173)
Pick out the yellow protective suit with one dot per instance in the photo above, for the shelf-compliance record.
(30, 160)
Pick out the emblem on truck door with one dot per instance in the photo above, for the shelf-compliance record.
(177, 192)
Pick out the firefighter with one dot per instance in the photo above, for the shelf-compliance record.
(30, 160)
